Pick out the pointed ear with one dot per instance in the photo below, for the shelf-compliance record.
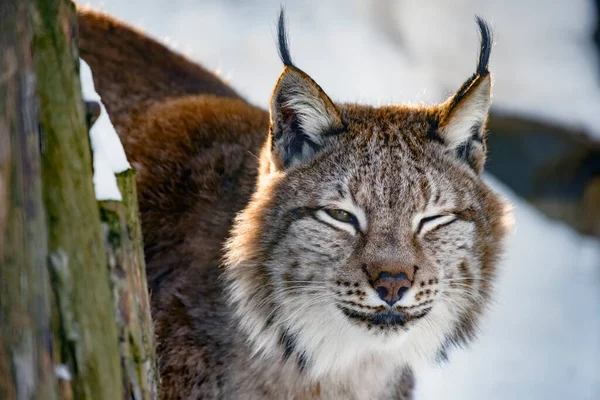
(463, 116)
(302, 116)
(462, 126)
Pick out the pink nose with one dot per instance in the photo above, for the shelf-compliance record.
(391, 288)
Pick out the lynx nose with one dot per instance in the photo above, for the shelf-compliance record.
(391, 288)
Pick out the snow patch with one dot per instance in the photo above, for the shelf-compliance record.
(61, 371)
(108, 153)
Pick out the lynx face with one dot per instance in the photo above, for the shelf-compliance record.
(371, 235)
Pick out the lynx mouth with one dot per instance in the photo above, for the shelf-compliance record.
(384, 318)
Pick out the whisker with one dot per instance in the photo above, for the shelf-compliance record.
(465, 312)
(462, 278)
(473, 296)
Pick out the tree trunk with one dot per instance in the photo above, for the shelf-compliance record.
(123, 241)
(25, 347)
(74, 323)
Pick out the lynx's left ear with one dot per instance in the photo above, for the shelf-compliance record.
(463, 116)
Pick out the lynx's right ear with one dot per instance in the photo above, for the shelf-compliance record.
(302, 115)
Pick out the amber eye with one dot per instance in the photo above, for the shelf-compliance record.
(340, 215)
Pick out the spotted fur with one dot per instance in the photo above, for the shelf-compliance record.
(258, 291)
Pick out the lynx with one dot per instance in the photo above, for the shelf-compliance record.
(318, 250)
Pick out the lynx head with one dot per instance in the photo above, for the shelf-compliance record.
(371, 235)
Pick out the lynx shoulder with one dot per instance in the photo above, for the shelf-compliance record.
(315, 250)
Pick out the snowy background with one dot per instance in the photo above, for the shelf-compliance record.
(542, 338)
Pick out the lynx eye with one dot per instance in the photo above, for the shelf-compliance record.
(433, 222)
(340, 215)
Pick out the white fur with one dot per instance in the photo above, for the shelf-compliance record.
(340, 350)
(330, 336)
(312, 115)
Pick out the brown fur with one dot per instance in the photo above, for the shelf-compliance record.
(194, 172)
(203, 155)
(175, 122)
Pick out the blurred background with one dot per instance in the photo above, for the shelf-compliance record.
(541, 339)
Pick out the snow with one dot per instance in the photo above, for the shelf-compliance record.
(108, 153)
(541, 339)
(383, 51)
(61, 371)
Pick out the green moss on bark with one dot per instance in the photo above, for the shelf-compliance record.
(123, 241)
(25, 348)
(88, 333)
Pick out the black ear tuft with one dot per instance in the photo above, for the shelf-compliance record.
(283, 47)
(486, 45)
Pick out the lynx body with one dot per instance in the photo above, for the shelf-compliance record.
(318, 250)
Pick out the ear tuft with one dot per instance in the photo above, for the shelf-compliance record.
(485, 33)
(283, 47)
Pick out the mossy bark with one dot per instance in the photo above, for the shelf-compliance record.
(74, 323)
(123, 241)
(25, 347)
(85, 327)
